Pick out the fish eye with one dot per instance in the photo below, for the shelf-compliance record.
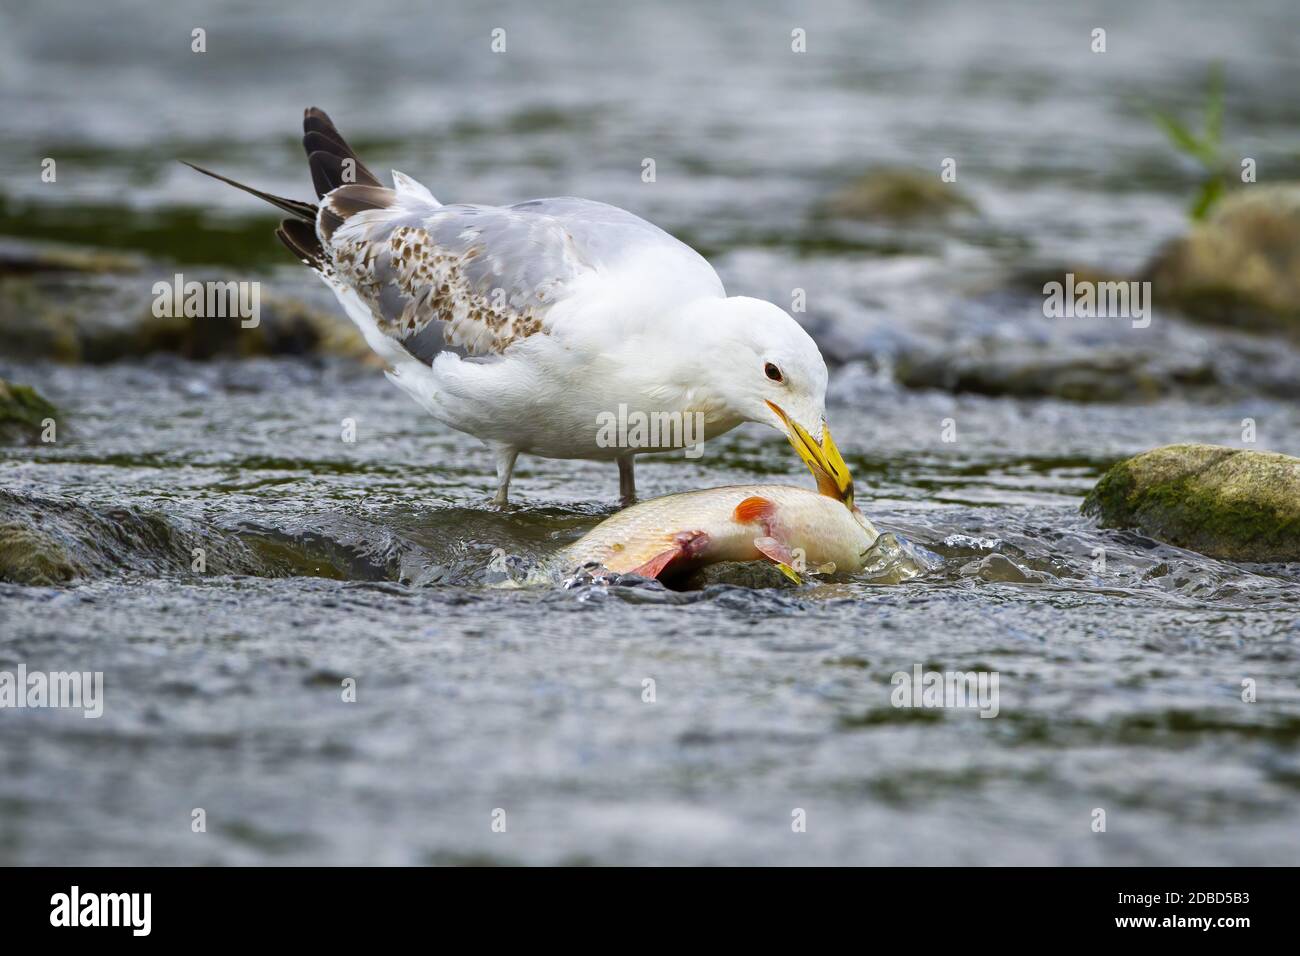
(772, 372)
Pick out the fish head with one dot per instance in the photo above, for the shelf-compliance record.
(854, 541)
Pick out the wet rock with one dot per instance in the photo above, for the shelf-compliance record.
(73, 307)
(1223, 502)
(751, 574)
(22, 412)
(29, 557)
(1101, 375)
(286, 327)
(898, 194)
(1241, 267)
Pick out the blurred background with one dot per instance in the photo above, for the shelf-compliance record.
(816, 171)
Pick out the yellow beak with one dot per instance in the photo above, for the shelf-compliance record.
(824, 460)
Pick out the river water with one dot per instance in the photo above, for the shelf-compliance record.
(1120, 660)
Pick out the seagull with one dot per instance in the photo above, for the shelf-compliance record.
(528, 325)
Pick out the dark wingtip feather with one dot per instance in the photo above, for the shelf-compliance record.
(321, 138)
(326, 171)
(314, 120)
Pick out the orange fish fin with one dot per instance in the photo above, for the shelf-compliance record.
(686, 544)
(655, 566)
(754, 508)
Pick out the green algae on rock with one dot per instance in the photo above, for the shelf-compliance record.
(29, 557)
(1222, 502)
(23, 412)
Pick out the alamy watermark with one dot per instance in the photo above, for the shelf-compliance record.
(950, 689)
(75, 908)
(1085, 299)
(651, 430)
(83, 689)
(209, 300)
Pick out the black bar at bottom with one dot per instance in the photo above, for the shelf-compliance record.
(366, 905)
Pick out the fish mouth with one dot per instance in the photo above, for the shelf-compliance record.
(822, 458)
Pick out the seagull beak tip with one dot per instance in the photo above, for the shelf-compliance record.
(820, 455)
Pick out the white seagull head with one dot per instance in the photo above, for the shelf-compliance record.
(766, 368)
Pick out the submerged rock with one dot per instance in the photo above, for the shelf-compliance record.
(1241, 267)
(53, 541)
(898, 194)
(1223, 502)
(22, 412)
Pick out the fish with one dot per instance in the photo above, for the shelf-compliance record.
(795, 528)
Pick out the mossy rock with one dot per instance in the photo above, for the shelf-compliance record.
(29, 557)
(898, 195)
(1241, 267)
(19, 257)
(751, 574)
(22, 412)
(76, 317)
(286, 327)
(1223, 502)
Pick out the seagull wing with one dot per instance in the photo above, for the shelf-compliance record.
(478, 279)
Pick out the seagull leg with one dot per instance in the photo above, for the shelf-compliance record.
(505, 468)
(626, 481)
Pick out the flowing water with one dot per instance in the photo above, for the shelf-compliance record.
(1120, 660)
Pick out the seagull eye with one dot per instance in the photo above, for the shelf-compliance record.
(772, 372)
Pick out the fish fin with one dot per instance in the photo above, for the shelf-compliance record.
(773, 549)
(779, 555)
(655, 566)
(754, 508)
(686, 544)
